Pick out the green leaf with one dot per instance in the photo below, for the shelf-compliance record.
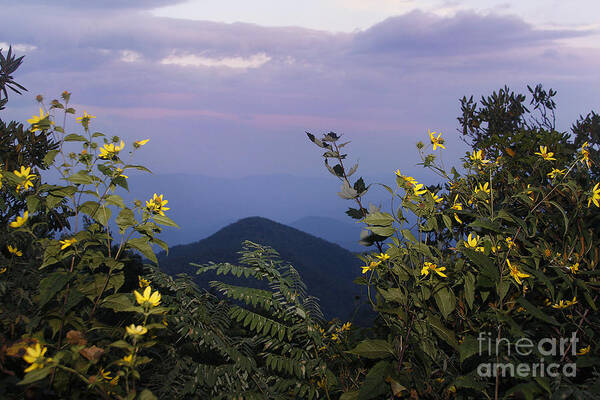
(33, 204)
(373, 349)
(408, 235)
(470, 289)
(486, 265)
(485, 223)
(447, 221)
(73, 137)
(51, 285)
(163, 220)
(114, 200)
(445, 300)
(382, 230)
(564, 214)
(142, 245)
(445, 334)
(35, 375)
(147, 395)
(379, 218)
(468, 348)
(81, 177)
(125, 219)
(349, 396)
(536, 312)
(49, 157)
(374, 384)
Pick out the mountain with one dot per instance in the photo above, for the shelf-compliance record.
(343, 233)
(327, 269)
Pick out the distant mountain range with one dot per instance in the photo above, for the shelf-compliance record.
(327, 269)
(343, 233)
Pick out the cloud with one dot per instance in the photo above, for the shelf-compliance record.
(185, 60)
(103, 4)
(25, 48)
(254, 90)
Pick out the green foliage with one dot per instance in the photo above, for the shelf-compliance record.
(506, 250)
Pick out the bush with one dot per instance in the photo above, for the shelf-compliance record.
(505, 254)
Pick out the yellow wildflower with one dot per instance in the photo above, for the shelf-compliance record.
(382, 256)
(437, 142)
(530, 192)
(564, 304)
(478, 156)
(585, 155)
(35, 356)
(556, 172)
(516, 274)
(573, 268)
(436, 198)
(427, 266)
(510, 242)
(584, 350)
(105, 375)
(545, 154)
(409, 180)
(67, 242)
(85, 118)
(14, 250)
(370, 267)
(26, 177)
(148, 297)
(110, 150)
(335, 337)
(128, 359)
(156, 205)
(114, 380)
(140, 143)
(34, 120)
(3, 270)
(346, 327)
(143, 282)
(20, 221)
(417, 189)
(595, 196)
(485, 188)
(136, 330)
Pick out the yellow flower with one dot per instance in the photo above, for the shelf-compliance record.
(105, 375)
(409, 180)
(36, 120)
(585, 155)
(20, 221)
(2, 270)
(156, 205)
(556, 172)
(436, 198)
(26, 177)
(370, 267)
(110, 150)
(35, 356)
(478, 156)
(120, 173)
(472, 241)
(67, 242)
(346, 327)
(485, 188)
(85, 119)
(573, 268)
(382, 256)
(530, 193)
(114, 380)
(510, 242)
(595, 196)
(584, 350)
(516, 274)
(14, 250)
(322, 384)
(148, 297)
(417, 191)
(140, 143)
(564, 304)
(136, 330)
(545, 154)
(427, 266)
(128, 359)
(437, 142)
(143, 282)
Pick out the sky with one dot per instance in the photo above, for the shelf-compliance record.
(227, 88)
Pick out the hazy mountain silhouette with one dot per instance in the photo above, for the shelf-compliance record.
(327, 269)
